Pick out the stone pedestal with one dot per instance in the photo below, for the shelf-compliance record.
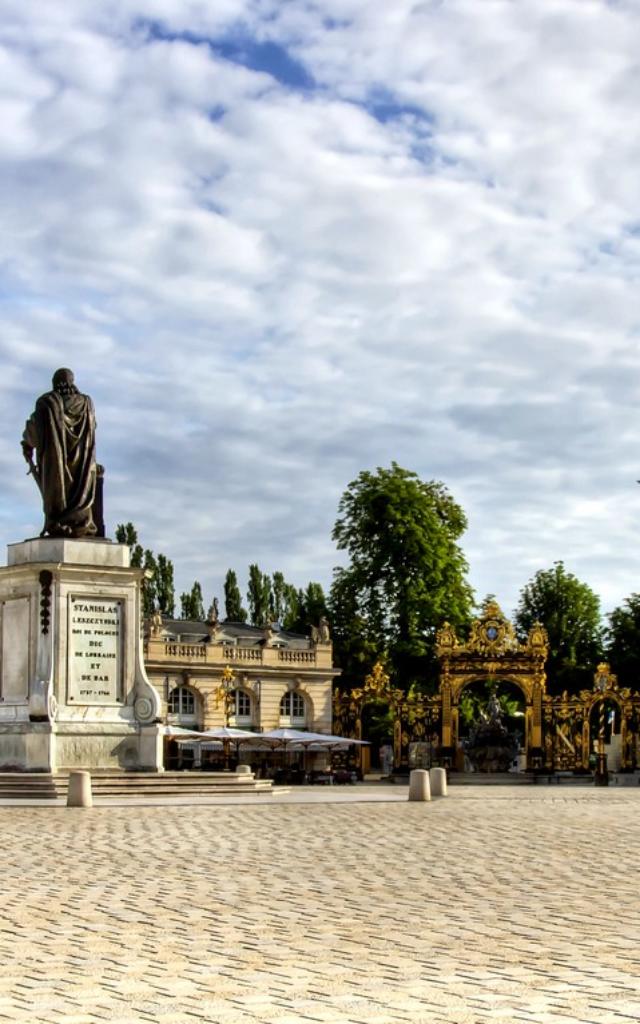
(73, 687)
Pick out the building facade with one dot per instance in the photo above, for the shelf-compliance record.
(228, 673)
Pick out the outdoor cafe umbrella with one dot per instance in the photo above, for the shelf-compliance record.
(294, 739)
(176, 732)
(225, 732)
(226, 735)
(283, 737)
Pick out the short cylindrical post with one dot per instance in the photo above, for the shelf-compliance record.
(419, 788)
(243, 769)
(79, 791)
(438, 781)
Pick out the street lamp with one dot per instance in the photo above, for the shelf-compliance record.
(601, 777)
(225, 693)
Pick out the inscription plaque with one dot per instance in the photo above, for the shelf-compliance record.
(95, 650)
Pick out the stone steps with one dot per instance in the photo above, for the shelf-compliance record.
(43, 786)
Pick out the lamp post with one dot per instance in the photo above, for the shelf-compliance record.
(601, 776)
(224, 694)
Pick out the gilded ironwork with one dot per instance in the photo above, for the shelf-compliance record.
(415, 716)
(494, 652)
(562, 733)
(224, 692)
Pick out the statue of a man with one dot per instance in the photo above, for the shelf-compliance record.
(62, 433)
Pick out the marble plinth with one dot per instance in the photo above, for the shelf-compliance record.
(73, 688)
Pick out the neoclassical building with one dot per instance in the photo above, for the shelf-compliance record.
(228, 673)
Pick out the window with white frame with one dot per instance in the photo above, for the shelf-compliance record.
(182, 703)
(293, 710)
(241, 707)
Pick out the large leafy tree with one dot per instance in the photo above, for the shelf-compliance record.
(570, 612)
(233, 609)
(406, 576)
(622, 641)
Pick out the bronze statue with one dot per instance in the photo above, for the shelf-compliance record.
(62, 433)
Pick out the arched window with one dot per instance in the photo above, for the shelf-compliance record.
(182, 703)
(293, 710)
(240, 707)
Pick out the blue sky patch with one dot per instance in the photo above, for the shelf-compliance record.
(241, 48)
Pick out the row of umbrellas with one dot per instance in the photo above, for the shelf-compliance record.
(293, 739)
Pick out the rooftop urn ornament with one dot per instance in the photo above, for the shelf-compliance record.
(61, 433)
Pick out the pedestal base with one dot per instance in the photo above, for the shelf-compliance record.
(73, 688)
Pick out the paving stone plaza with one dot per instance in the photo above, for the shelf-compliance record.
(494, 904)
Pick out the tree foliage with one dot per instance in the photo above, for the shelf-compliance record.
(305, 608)
(407, 573)
(570, 612)
(258, 596)
(158, 590)
(285, 605)
(165, 590)
(192, 604)
(233, 608)
(622, 641)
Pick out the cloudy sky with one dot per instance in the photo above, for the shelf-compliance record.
(282, 242)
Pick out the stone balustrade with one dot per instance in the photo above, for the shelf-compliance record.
(159, 650)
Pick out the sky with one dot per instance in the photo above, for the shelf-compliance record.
(283, 242)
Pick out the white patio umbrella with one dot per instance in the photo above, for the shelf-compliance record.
(298, 739)
(176, 732)
(225, 732)
(282, 737)
(225, 735)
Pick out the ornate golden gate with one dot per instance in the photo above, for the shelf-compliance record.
(492, 652)
(574, 724)
(415, 717)
(560, 732)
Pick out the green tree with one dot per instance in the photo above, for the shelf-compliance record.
(258, 596)
(192, 605)
(407, 573)
(233, 610)
(314, 604)
(158, 589)
(126, 533)
(278, 597)
(305, 608)
(570, 612)
(165, 591)
(149, 588)
(622, 641)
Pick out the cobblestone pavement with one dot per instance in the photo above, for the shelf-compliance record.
(510, 905)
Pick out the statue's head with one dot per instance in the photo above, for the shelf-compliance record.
(63, 381)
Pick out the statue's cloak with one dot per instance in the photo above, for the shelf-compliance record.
(62, 430)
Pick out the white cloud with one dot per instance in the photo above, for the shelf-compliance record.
(430, 257)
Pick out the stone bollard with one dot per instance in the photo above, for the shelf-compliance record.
(79, 791)
(419, 788)
(438, 780)
(243, 769)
